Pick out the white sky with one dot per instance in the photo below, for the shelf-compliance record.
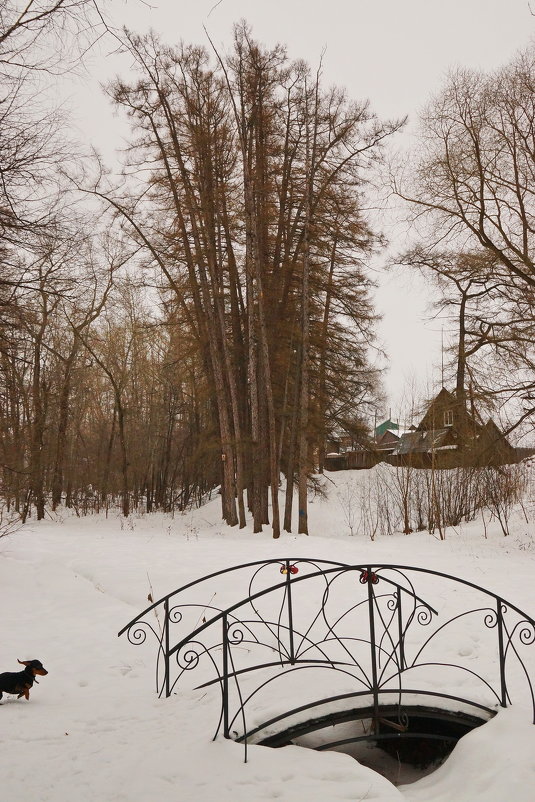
(394, 52)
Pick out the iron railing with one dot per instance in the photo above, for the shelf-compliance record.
(366, 625)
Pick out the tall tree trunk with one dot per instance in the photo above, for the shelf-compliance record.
(124, 454)
(322, 391)
(305, 324)
(291, 455)
(63, 422)
(107, 462)
(38, 428)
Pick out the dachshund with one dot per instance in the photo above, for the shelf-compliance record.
(20, 682)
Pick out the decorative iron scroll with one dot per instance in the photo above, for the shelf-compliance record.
(360, 629)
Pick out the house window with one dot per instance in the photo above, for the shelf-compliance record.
(448, 417)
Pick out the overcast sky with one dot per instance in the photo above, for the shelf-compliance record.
(396, 53)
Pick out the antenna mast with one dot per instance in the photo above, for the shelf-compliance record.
(442, 354)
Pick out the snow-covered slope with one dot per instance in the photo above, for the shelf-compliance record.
(93, 728)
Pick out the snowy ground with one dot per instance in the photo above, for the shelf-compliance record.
(94, 729)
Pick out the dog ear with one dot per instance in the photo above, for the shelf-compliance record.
(22, 662)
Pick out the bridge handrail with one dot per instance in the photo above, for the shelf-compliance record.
(337, 566)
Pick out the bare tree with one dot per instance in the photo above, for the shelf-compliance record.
(236, 220)
(476, 171)
(471, 186)
(47, 35)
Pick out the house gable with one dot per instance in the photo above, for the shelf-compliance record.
(445, 411)
(386, 441)
(492, 447)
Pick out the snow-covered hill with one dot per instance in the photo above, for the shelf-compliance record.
(93, 728)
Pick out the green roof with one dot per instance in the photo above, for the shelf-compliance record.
(386, 426)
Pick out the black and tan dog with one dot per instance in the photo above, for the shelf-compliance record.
(20, 682)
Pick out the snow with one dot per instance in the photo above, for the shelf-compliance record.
(94, 729)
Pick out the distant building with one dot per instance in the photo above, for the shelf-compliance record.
(386, 442)
(350, 448)
(447, 436)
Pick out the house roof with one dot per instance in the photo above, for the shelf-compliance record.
(387, 441)
(385, 426)
(424, 442)
(491, 437)
(388, 436)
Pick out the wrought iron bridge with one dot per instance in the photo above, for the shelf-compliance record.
(301, 645)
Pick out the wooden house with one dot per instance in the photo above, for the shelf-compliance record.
(387, 442)
(449, 436)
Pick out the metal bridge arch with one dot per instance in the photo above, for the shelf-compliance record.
(382, 650)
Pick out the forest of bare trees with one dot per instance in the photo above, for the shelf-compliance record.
(202, 320)
(239, 334)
